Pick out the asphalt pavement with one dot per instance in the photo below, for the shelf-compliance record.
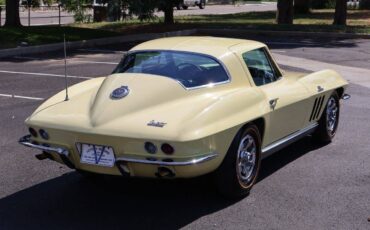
(304, 186)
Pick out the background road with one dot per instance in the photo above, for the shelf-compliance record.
(304, 186)
(46, 17)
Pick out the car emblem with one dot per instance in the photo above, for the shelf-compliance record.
(156, 124)
(120, 92)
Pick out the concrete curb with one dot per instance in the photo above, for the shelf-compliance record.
(91, 43)
(145, 37)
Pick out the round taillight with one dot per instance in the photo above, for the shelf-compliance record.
(167, 149)
(44, 134)
(33, 132)
(150, 147)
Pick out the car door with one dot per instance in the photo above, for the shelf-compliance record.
(286, 97)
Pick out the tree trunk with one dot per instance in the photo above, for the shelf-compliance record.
(284, 13)
(168, 13)
(302, 6)
(12, 13)
(340, 16)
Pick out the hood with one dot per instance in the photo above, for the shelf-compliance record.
(151, 99)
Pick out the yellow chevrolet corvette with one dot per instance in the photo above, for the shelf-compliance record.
(187, 106)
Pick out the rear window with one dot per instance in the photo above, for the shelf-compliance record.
(189, 69)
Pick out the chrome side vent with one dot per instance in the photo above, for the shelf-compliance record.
(317, 108)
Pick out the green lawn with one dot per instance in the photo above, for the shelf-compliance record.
(317, 21)
(36, 35)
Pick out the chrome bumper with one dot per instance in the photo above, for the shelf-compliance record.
(197, 160)
(26, 141)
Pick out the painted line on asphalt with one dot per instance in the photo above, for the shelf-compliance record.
(103, 51)
(21, 97)
(68, 60)
(95, 62)
(43, 74)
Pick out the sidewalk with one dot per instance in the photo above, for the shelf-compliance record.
(352, 74)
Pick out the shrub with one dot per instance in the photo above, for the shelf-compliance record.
(365, 4)
(323, 4)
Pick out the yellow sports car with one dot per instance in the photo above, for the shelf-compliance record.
(187, 106)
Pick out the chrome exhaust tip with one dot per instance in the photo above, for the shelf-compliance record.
(41, 156)
(164, 172)
(346, 96)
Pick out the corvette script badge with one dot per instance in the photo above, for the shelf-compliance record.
(120, 92)
(156, 124)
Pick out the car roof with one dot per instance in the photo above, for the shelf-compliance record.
(214, 46)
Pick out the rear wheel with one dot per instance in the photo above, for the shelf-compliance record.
(329, 120)
(239, 170)
(185, 7)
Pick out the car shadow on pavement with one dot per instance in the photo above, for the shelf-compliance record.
(72, 201)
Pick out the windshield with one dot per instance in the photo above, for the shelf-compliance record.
(190, 69)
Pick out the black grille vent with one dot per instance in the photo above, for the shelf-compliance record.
(317, 108)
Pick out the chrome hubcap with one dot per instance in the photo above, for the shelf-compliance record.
(331, 115)
(246, 159)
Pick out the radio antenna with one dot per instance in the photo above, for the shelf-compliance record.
(65, 67)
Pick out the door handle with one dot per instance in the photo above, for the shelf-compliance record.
(273, 103)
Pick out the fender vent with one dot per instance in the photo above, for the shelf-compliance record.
(317, 108)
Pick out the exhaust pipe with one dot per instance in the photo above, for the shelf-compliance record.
(41, 156)
(164, 172)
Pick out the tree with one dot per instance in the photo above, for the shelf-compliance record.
(284, 13)
(145, 9)
(12, 14)
(302, 6)
(340, 16)
(167, 7)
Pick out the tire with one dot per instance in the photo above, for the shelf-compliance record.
(178, 7)
(202, 4)
(184, 7)
(328, 123)
(231, 180)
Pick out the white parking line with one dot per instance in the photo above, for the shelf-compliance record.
(103, 51)
(22, 97)
(68, 60)
(43, 74)
(94, 62)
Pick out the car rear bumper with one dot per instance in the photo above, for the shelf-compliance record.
(130, 165)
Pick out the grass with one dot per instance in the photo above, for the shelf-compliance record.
(37, 35)
(317, 21)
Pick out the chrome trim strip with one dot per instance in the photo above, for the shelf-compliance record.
(194, 161)
(276, 146)
(26, 141)
(188, 52)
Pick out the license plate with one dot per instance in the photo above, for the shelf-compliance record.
(97, 155)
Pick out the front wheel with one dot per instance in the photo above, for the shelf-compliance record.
(329, 120)
(239, 170)
(202, 4)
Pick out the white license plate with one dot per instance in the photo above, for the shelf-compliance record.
(97, 155)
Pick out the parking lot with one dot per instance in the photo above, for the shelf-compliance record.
(304, 186)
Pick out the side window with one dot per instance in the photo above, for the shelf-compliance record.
(260, 66)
